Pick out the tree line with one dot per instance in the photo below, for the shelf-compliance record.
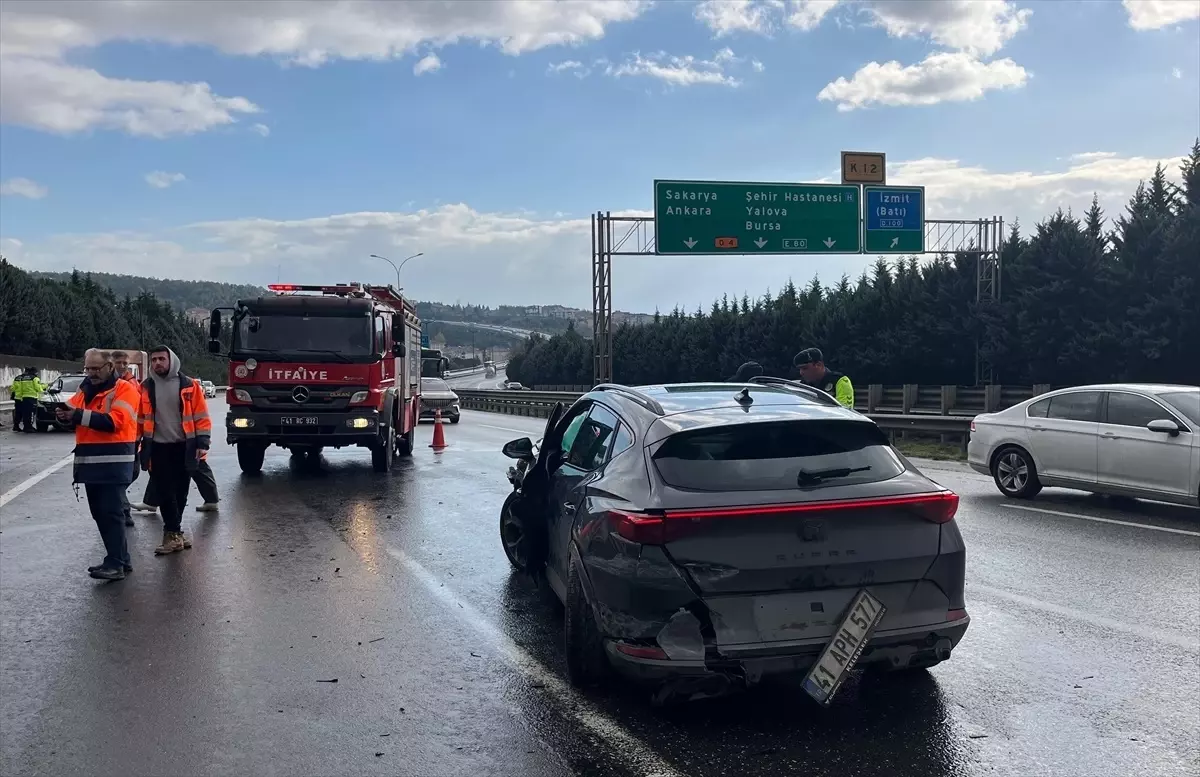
(181, 295)
(61, 319)
(1084, 300)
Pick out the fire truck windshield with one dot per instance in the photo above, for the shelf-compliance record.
(349, 339)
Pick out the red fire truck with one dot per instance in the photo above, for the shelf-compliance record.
(322, 366)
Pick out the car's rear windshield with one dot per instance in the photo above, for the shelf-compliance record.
(434, 384)
(1186, 402)
(775, 456)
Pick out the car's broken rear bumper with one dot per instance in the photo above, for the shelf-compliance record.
(747, 664)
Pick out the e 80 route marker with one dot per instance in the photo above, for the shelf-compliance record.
(895, 219)
(717, 217)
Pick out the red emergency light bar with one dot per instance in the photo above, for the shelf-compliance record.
(339, 289)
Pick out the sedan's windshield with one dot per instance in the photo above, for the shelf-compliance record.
(70, 383)
(1186, 402)
(308, 334)
(434, 384)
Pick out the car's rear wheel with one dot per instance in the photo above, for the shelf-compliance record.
(587, 663)
(1015, 473)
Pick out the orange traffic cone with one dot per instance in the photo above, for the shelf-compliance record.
(439, 436)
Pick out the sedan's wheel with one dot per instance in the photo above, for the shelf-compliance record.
(587, 663)
(512, 533)
(1016, 474)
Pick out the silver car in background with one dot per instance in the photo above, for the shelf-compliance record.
(436, 393)
(1124, 439)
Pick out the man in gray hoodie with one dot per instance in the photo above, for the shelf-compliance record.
(176, 431)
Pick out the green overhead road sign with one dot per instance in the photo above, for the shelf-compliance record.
(894, 219)
(726, 217)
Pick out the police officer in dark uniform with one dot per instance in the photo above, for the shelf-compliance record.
(811, 364)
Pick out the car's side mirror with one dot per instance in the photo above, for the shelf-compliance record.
(518, 449)
(214, 325)
(1164, 426)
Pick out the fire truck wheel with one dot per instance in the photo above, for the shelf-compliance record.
(382, 454)
(405, 443)
(250, 457)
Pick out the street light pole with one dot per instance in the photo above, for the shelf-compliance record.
(394, 267)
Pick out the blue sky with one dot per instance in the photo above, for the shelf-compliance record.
(255, 140)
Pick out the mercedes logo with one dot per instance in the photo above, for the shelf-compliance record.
(300, 394)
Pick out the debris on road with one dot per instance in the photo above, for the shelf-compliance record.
(334, 680)
(375, 640)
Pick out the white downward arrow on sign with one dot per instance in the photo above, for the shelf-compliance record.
(689, 243)
(829, 242)
(760, 242)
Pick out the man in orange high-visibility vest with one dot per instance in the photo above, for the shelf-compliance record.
(176, 430)
(104, 413)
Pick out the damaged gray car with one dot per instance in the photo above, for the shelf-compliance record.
(704, 536)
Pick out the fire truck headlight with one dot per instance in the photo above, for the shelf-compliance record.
(359, 423)
(243, 423)
(358, 396)
(241, 395)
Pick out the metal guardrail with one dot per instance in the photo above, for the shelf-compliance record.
(537, 404)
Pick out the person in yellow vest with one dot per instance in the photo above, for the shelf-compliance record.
(176, 432)
(104, 414)
(26, 388)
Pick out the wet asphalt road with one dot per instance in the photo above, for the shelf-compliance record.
(1083, 657)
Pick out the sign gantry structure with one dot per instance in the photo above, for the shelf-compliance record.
(707, 218)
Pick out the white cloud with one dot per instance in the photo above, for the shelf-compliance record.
(430, 63)
(683, 71)
(725, 17)
(494, 258)
(568, 66)
(261, 129)
(1156, 14)
(50, 95)
(807, 14)
(979, 27)
(40, 89)
(23, 187)
(163, 180)
(945, 77)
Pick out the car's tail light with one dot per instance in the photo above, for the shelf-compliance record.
(642, 651)
(972, 424)
(661, 527)
(955, 615)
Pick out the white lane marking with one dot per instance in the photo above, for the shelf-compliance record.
(525, 432)
(1104, 520)
(624, 743)
(1179, 640)
(29, 483)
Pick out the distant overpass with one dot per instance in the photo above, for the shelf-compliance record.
(513, 332)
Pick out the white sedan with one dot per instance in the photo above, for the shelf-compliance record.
(1123, 439)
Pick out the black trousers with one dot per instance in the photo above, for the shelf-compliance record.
(206, 482)
(104, 501)
(25, 412)
(170, 479)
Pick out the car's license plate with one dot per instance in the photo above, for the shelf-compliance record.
(843, 650)
(306, 420)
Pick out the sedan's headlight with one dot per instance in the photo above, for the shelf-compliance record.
(241, 395)
(359, 396)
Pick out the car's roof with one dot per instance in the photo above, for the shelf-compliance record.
(1147, 388)
(689, 397)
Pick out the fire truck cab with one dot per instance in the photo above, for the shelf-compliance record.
(322, 366)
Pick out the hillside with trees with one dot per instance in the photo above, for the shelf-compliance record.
(1084, 300)
(61, 319)
(180, 295)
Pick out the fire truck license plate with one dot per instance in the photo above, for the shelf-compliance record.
(301, 420)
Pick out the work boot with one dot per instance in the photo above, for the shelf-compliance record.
(142, 507)
(108, 573)
(127, 568)
(208, 507)
(173, 542)
(186, 542)
(129, 520)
